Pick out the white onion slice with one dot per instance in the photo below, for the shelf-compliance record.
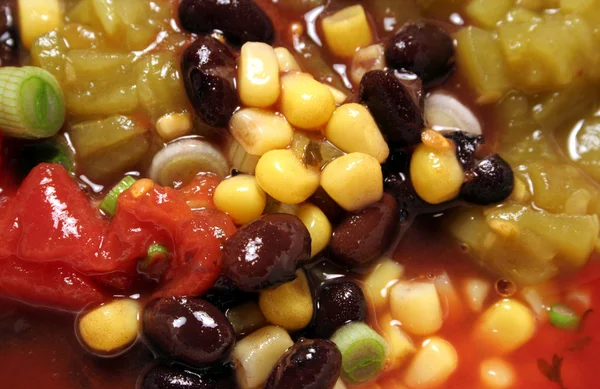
(444, 112)
(182, 160)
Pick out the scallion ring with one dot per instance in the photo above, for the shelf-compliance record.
(563, 317)
(364, 352)
(109, 204)
(31, 102)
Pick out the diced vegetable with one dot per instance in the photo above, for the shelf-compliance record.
(48, 52)
(445, 112)
(476, 290)
(289, 305)
(110, 328)
(91, 65)
(37, 17)
(563, 317)
(400, 344)
(239, 158)
(156, 251)
(255, 356)
(110, 146)
(486, 13)
(364, 352)
(246, 318)
(505, 326)
(421, 372)
(384, 275)
(31, 101)
(366, 59)
(181, 161)
(109, 204)
(347, 30)
(479, 57)
(416, 305)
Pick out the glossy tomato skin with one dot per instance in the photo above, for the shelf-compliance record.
(48, 285)
(51, 233)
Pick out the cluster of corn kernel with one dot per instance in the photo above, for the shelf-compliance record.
(411, 312)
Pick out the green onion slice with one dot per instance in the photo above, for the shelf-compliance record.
(156, 252)
(32, 104)
(563, 317)
(109, 204)
(364, 352)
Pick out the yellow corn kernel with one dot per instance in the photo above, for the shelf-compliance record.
(259, 131)
(111, 327)
(417, 306)
(353, 129)
(174, 125)
(400, 344)
(433, 364)
(338, 96)
(289, 305)
(141, 187)
(366, 59)
(353, 181)
(257, 354)
(505, 326)
(246, 318)
(258, 75)
(378, 283)
(436, 173)
(241, 198)
(287, 62)
(520, 193)
(347, 30)
(496, 373)
(285, 178)
(305, 102)
(37, 17)
(318, 226)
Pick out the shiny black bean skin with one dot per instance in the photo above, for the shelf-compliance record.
(225, 295)
(9, 35)
(240, 20)
(338, 302)
(362, 236)
(209, 68)
(266, 252)
(395, 100)
(176, 377)
(308, 364)
(491, 181)
(189, 330)
(424, 49)
(466, 146)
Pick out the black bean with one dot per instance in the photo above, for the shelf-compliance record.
(240, 20)
(362, 236)
(424, 49)
(491, 181)
(175, 377)
(9, 36)
(266, 252)
(330, 208)
(225, 295)
(466, 146)
(189, 330)
(308, 364)
(338, 302)
(208, 69)
(395, 100)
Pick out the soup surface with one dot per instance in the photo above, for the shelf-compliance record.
(383, 194)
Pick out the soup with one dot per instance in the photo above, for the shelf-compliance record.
(383, 194)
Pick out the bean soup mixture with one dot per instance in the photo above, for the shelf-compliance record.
(299, 194)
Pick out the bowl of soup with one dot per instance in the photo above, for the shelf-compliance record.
(299, 194)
